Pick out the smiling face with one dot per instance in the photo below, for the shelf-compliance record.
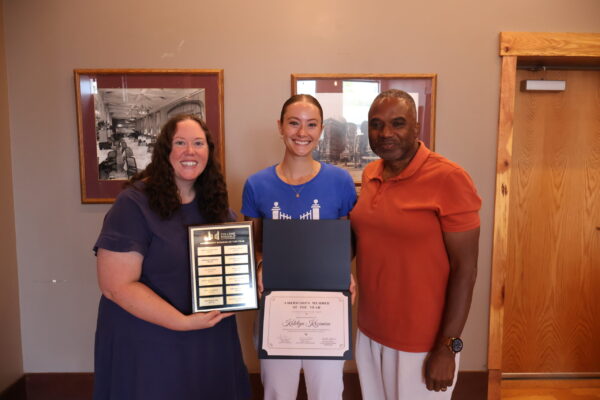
(189, 153)
(393, 130)
(300, 128)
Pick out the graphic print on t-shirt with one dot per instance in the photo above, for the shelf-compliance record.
(313, 213)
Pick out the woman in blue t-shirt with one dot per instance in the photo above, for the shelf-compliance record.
(299, 187)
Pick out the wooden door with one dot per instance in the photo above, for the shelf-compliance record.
(552, 292)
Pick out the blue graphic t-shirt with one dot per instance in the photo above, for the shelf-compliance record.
(329, 195)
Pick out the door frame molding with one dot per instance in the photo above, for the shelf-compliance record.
(549, 49)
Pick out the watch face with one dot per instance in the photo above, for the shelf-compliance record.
(456, 345)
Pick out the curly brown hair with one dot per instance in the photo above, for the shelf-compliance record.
(159, 178)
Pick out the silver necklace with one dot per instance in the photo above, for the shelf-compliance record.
(297, 191)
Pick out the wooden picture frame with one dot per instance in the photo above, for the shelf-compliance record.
(121, 111)
(346, 98)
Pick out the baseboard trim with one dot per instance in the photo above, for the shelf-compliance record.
(471, 385)
(16, 391)
(550, 375)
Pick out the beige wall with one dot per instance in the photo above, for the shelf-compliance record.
(11, 356)
(258, 44)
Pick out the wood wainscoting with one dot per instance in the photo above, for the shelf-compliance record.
(471, 385)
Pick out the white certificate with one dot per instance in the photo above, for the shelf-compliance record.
(306, 324)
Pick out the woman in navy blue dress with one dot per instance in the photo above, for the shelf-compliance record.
(149, 345)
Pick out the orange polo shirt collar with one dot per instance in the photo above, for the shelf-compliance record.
(414, 165)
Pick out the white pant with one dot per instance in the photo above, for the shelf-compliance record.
(324, 378)
(389, 374)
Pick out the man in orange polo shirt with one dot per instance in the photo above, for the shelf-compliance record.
(417, 231)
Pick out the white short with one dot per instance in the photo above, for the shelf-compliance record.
(389, 374)
(324, 378)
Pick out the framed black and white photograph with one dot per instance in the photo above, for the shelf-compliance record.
(120, 114)
(346, 99)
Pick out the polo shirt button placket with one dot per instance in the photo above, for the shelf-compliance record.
(378, 193)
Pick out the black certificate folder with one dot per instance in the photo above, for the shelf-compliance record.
(305, 308)
(306, 255)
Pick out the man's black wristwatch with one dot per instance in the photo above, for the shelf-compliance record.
(455, 344)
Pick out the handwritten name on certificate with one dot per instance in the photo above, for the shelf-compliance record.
(306, 324)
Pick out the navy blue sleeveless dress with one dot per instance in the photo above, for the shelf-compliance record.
(135, 359)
